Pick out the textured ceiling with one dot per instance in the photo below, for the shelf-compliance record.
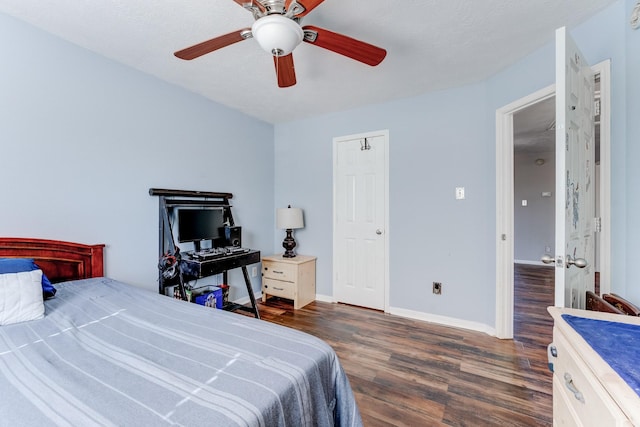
(431, 45)
(534, 128)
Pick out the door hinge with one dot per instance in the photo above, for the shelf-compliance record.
(597, 224)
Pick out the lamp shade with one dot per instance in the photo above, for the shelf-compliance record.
(276, 34)
(289, 218)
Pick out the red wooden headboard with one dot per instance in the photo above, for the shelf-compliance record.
(60, 261)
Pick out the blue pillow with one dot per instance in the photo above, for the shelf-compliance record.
(19, 265)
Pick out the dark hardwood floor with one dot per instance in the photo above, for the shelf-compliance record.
(411, 373)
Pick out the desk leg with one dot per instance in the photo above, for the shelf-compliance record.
(247, 281)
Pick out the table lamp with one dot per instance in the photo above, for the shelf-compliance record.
(288, 219)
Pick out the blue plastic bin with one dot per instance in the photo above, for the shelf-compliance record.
(211, 298)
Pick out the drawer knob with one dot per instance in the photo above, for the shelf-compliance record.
(552, 352)
(568, 381)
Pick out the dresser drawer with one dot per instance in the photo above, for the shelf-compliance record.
(279, 271)
(279, 288)
(563, 413)
(576, 386)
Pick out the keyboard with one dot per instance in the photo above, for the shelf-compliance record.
(237, 250)
(212, 253)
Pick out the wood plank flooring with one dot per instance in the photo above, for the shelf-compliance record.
(411, 373)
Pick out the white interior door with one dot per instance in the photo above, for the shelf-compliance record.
(360, 220)
(575, 180)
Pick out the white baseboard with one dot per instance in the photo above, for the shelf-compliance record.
(431, 318)
(324, 298)
(443, 320)
(247, 300)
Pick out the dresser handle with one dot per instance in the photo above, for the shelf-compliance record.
(278, 272)
(568, 381)
(552, 352)
(278, 289)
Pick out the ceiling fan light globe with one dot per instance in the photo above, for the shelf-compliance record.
(277, 34)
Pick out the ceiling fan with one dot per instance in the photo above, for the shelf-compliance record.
(278, 31)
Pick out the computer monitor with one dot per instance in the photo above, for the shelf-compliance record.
(197, 224)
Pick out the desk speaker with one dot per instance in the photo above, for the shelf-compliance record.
(233, 236)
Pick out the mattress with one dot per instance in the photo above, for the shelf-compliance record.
(107, 353)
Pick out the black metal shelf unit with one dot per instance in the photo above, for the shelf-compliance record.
(169, 200)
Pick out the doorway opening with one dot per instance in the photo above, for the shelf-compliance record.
(505, 201)
(534, 165)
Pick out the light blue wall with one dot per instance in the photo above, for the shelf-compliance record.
(431, 152)
(442, 140)
(534, 224)
(83, 139)
(632, 193)
(600, 38)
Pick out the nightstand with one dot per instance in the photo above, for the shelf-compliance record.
(290, 278)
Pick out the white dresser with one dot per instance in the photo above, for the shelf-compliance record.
(587, 391)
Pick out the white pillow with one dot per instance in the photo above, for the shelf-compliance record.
(21, 297)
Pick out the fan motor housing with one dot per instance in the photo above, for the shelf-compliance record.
(277, 35)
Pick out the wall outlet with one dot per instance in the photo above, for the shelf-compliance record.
(437, 288)
(254, 271)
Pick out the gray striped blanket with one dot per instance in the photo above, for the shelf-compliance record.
(111, 354)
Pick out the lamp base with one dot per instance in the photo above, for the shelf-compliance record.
(289, 243)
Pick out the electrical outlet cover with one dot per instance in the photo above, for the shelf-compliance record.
(437, 288)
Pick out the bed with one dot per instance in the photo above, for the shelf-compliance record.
(107, 353)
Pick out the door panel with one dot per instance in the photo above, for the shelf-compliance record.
(360, 221)
(575, 195)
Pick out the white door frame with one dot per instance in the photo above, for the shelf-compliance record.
(385, 135)
(505, 196)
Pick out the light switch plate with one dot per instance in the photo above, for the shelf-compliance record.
(459, 193)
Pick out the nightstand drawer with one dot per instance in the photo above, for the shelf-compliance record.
(279, 271)
(278, 288)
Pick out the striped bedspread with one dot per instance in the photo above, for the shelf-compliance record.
(110, 354)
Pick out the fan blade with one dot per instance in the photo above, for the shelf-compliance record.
(308, 5)
(250, 4)
(209, 46)
(347, 46)
(285, 70)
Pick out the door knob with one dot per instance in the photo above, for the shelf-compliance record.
(547, 259)
(378, 232)
(578, 262)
